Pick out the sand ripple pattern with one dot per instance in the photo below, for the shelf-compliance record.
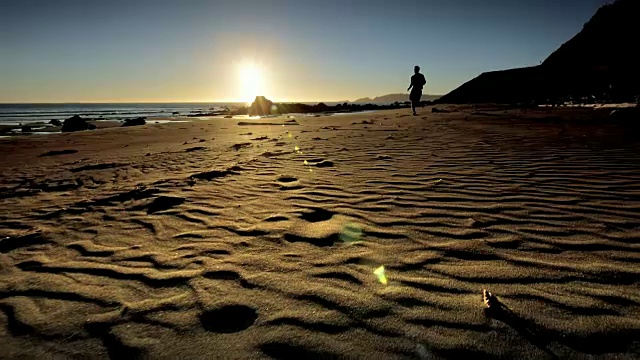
(264, 245)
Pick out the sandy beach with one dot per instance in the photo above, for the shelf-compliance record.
(210, 239)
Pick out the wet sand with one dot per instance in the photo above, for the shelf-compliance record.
(212, 239)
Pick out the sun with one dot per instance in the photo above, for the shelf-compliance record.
(252, 81)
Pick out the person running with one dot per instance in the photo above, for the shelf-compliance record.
(417, 82)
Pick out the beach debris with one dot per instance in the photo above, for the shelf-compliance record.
(323, 164)
(490, 301)
(379, 272)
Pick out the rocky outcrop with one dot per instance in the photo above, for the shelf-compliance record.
(391, 98)
(261, 106)
(630, 115)
(135, 121)
(76, 123)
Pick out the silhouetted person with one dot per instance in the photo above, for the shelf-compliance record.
(417, 82)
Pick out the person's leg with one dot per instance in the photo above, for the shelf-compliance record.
(412, 97)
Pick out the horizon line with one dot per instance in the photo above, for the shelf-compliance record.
(178, 102)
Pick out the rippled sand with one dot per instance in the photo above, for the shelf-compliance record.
(213, 239)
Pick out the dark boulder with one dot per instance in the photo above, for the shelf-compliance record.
(55, 122)
(76, 123)
(26, 128)
(134, 122)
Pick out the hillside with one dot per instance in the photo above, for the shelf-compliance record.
(599, 62)
(399, 97)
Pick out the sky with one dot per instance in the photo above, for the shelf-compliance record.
(286, 50)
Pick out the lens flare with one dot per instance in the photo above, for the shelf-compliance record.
(379, 272)
(350, 233)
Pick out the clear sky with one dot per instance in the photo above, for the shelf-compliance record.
(287, 50)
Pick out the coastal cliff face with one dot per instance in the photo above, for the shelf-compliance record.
(599, 62)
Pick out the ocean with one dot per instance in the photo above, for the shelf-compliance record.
(16, 114)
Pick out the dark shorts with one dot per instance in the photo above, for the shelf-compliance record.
(415, 95)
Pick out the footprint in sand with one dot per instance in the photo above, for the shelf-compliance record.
(163, 203)
(289, 183)
(228, 318)
(287, 179)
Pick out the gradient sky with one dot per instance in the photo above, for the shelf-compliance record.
(306, 50)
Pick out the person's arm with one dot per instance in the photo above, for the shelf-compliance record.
(410, 86)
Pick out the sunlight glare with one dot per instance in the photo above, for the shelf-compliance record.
(252, 82)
